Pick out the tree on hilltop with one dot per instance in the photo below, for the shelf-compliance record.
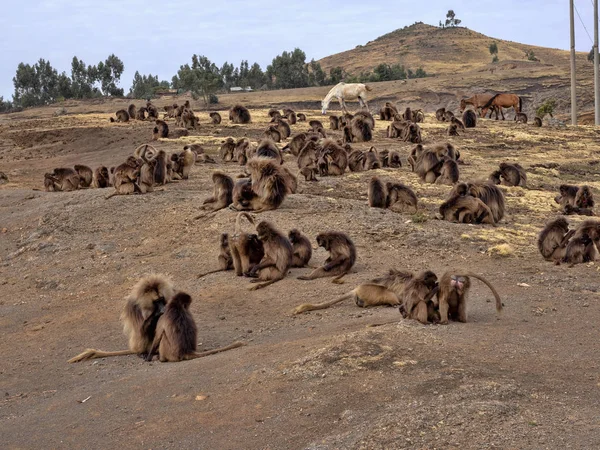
(451, 20)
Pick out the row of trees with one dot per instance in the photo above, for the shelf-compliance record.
(41, 84)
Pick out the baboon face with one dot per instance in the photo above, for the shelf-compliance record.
(322, 241)
(293, 236)
(263, 231)
(430, 279)
(224, 240)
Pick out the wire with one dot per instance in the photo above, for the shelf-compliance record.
(584, 27)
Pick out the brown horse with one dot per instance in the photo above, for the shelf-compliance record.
(503, 101)
(478, 101)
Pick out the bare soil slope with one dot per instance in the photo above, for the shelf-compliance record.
(323, 380)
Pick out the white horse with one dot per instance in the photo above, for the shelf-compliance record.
(343, 91)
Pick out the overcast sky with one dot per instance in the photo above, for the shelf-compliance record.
(157, 37)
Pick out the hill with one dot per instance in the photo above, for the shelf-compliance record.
(438, 50)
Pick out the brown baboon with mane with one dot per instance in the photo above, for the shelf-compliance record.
(307, 161)
(268, 149)
(283, 127)
(272, 133)
(215, 117)
(101, 178)
(470, 118)
(418, 298)
(62, 179)
(334, 122)
(377, 193)
(239, 114)
(360, 129)
(86, 175)
(132, 111)
(552, 240)
(122, 116)
(400, 195)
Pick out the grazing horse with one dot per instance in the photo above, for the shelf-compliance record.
(503, 101)
(343, 91)
(478, 101)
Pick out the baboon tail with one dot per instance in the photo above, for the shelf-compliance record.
(310, 307)
(110, 195)
(209, 272)
(256, 287)
(91, 353)
(488, 284)
(338, 279)
(218, 350)
(239, 218)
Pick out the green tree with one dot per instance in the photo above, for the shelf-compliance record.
(336, 74)
(530, 55)
(202, 78)
(82, 79)
(451, 19)
(144, 87)
(493, 48)
(5, 106)
(226, 72)
(108, 73)
(316, 75)
(383, 72)
(420, 73)
(256, 77)
(546, 108)
(288, 70)
(35, 85)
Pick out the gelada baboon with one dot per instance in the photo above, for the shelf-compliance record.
(372, 160)
(283, 127)
(222, 194)
(277, 259)
(458, 123)
(428, 165)
(301, 117)
(162, 129)
(101, 178)
(270, 184)
(439, 114)
(141, 113)
(239, 114)
(226, 150)
(86, 175)
(216, 117)
(242, 195)
(470, 118)
(245, 248)
(152, 110)
(145, 304)
(521, 118)
(377, 193)
(418, 298)
(510, 174)
(452, 295)
(449, 173)
(365, 295)
(399, 196)
(176, 334)
(575, 197)
(125, 177)
(464, 208)
(183, 162)
(387, 111)
(62, 179)
(491, 195)
(537, 122)
(291, 117)
(273, 134)
(307, 161)
(132, 111)
(553, 239)
(342, 256)
(452, 130)
(225, 260)
(267, 148)
(334, 122)
(122, 116)
(302, 250)
(334, 157)
(360, 129)
(390, 158)
(297, 143)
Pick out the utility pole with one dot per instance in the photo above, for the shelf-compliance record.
(573, 78)
(596, 71)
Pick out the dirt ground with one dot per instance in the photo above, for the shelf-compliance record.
(324, 380)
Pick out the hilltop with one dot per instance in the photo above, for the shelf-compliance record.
(440, 51)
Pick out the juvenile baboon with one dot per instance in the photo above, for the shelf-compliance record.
(449, 173)
(342, 256)
(307, 161)
(512, 174)
(122, 116)
(292, 180)
(372, 160)
(101, 178)
(144, 306)
(552, 240)
(452, 295)
(239, 114)
(278, 256)
(400, 195)
(580, 249)
(291, 117)
(245, 248)
(567, 194)
(267, 148)
(183, 162)
(171, 110)
(407, 115)
(301, 117)
(417, 298)
(458, 123)
(301, 248)
(160, 168)
(125, 177)
(390, 158)
(314, 125)
(216, 117)
(283, 127)
(570, 210)
(226, 150)
(241, 151)
(189, 120)
(452, 130)
(334, 156)
(132, 111)
(141, 113)
(418, 116)
(347, 135)
(584, 197)
(152, 111)
(360, 129)
(222, 192)
(334, 122)
(388, 111)
(297, 143)
(365, 295)
(439, 114)
(225, 260)
(177, 335)
(448, 115)
(377, 193)
(272, 133)
(394, 130)
(62, 179)
(537, 122)
(242, 194)
(163, 128)
(521, 118)
(470, 118)
(145, 181)
(85, 175)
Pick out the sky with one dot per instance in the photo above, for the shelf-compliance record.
(158, 37)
